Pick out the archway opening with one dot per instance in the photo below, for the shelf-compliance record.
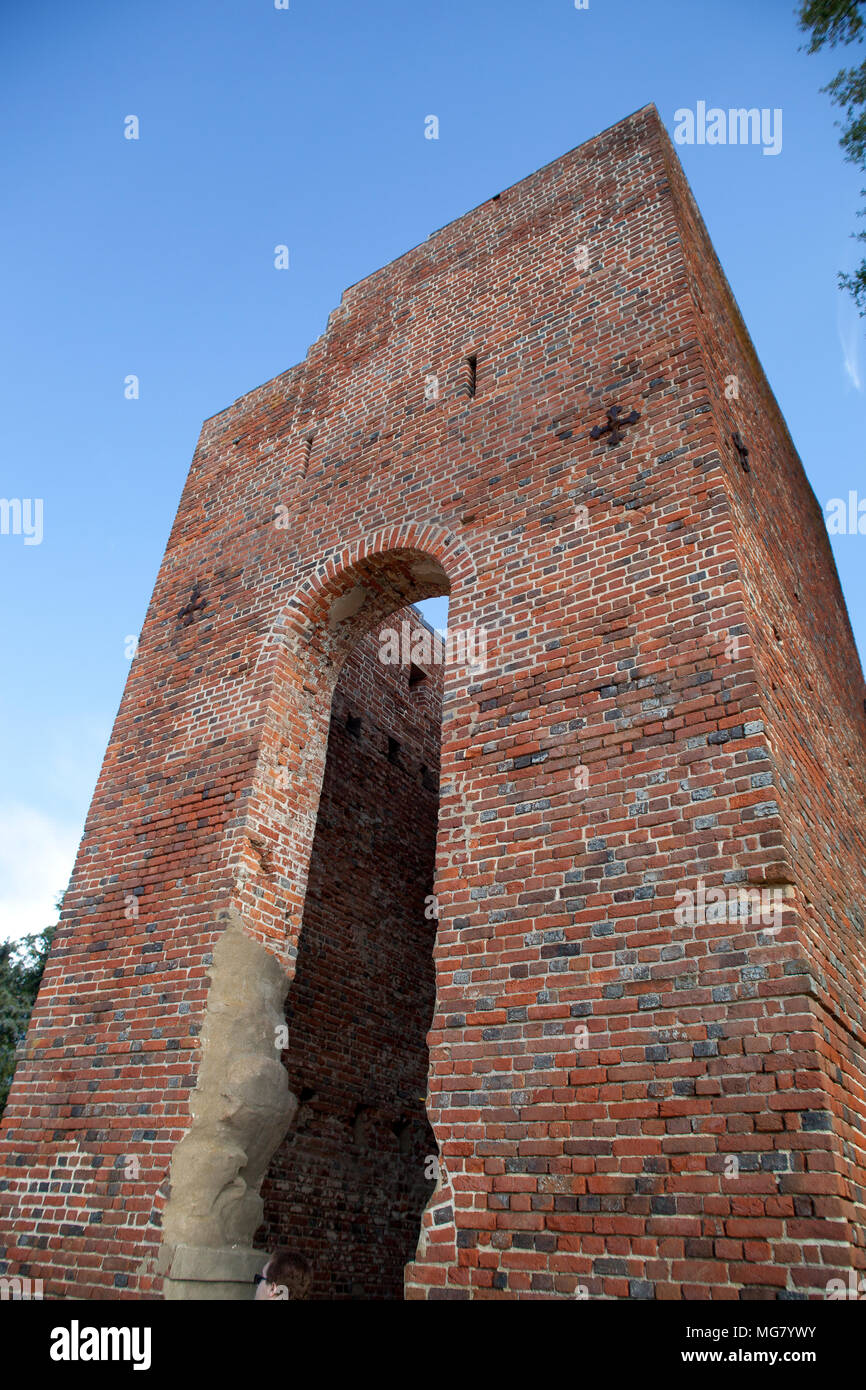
(348, 1185)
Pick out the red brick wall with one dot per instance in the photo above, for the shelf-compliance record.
(347, 1187)
(810, 686)
(570, 1161)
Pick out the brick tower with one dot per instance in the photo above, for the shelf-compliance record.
(643, 989)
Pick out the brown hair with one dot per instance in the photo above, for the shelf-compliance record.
(290, 1271)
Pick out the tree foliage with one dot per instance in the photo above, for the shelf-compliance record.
(21, 966)
(833, 22)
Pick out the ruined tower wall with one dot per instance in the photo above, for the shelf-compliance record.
(811, 688)
(595, 1058)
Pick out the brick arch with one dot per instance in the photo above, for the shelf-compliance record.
(339, 565)
(438, 542)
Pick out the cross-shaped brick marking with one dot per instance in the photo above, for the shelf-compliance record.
(614, 426)
(195, 605)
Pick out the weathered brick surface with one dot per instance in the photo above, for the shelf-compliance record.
(606, 1165)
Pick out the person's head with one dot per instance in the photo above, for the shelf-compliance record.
(285, 1275)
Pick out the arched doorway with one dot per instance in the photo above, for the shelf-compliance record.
(349, 1182)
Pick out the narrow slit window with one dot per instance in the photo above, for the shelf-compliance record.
(471, 375)
(353, 725)
(393, 750)
(306, 451)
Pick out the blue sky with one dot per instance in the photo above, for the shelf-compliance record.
(305, 127)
